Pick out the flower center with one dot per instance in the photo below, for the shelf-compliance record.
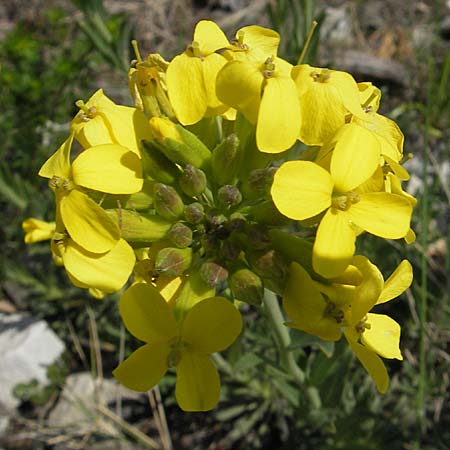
(344, 201)
(269, 68)
(320, 77)
(176, 352)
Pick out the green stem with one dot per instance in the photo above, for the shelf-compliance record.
(282, 336)
(308, 41)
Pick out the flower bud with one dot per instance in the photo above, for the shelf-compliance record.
(213, 274)
(230, 250)
(156, 165)
(247, 286)
(258, 236)
(172, 261)
(225, 160)
(192, 181)
(237, 222)
(194, 212)
(167, 202)
(260, 180)
(178, 144)
(180, 235)
(271, 266)
(229, 195)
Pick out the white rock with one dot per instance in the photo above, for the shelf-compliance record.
(81, 395)
(27, 347)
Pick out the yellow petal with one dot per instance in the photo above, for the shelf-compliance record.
(198, 384)
(348, 90)
(301, 189)
(382, 214)
(239, 85)
(210, 37)
(369, 95)
(144, 367)
(212, 65)
(372, 363)
(397, 283)
(279, 110)
(366, 294)
(37, 230)
(383, 336)
(262, 43)
(108, 168)
(87, 223)
(355, 157)
(211, 325)
(129, 126)
(59, 163)
(105, 271)
(334, 245)
(184, 79)
(146, 314)
(306, 307)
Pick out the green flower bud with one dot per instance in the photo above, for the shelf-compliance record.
(156, 165)
(140, 228)
(230, 250)
(269, 265)
(225, 160)
(247, 286)
(178, 144)
(194, 212)
(192, 181)
(258, 236)
(173, 262)
(180, 235)
(237, 222)
(267, 213)
(168, 203)
(260, 180)
(213, 274)
(229, 195)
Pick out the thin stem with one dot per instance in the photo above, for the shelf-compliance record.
(308, 41)
(282, 336)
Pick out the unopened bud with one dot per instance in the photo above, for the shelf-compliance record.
(173, 262)
(167, 202)
(247, 286)
(260, 180)
(230, 250)
(225, 160)
(192, 181)
(213, 274)
(237, 222)
(269, 264)
(181, 235)
(194, 212)
(229, 195)
(258, 236)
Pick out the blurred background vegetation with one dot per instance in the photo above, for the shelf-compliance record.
(55, 52)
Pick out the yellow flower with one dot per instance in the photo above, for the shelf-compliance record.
(191, 76)
(105, 272)
(101, 121)
(370, 335)
(210, 326)
(327, 310)
(259, 85)
(37, 230)
(326, 98)
(303, 189)
(107, 168)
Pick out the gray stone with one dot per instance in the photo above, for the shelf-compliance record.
(27, 347)
(80, 396)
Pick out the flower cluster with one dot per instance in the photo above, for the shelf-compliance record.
(234, 172)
